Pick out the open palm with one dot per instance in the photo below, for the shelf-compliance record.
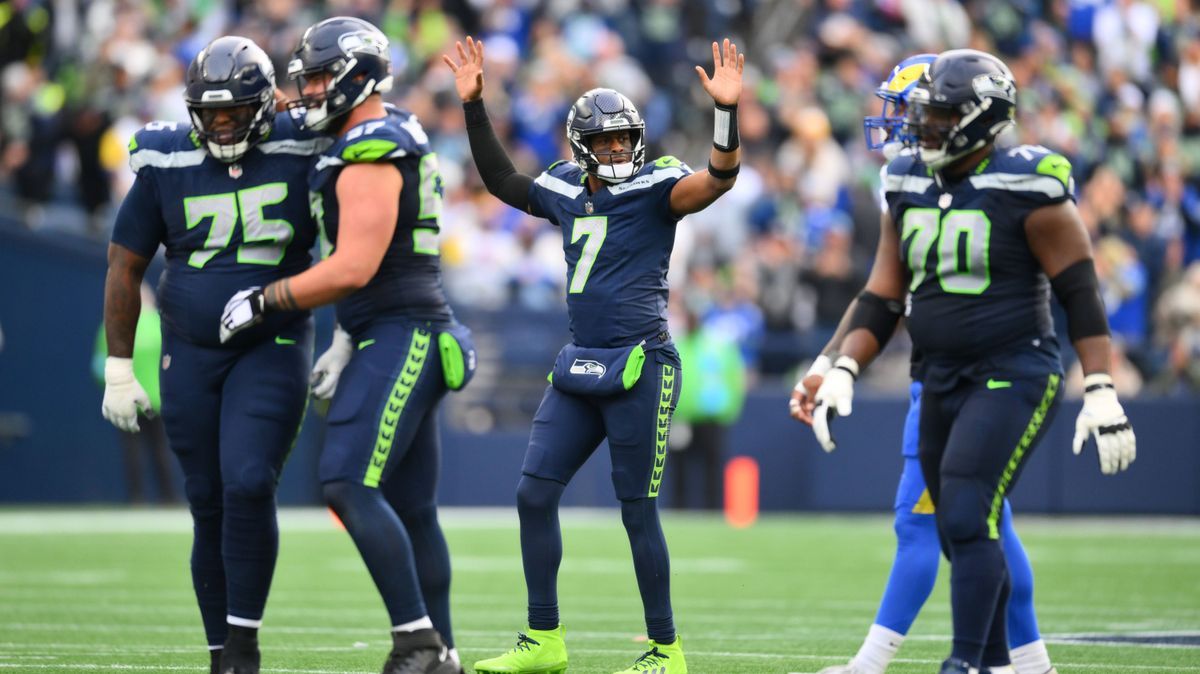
(468, 74)
(725, 86)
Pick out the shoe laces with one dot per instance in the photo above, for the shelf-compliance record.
(650, 658)
(524, 641)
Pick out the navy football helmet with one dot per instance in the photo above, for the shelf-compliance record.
(959, 105)
(353, 54)
(602, 111)
(234, 75)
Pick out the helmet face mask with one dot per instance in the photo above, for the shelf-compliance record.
(350, 60)
(887, 128)
(230, 95)
(604, 112)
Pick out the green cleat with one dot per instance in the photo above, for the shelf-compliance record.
(539, 652)
(660, 659)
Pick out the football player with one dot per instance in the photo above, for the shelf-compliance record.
(619, 378)
(376, 194)
(977, 237)
(915, 566)
(228, 199)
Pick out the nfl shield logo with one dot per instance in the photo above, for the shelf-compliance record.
(235, 171)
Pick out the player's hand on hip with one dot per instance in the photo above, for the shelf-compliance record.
(124, 397)
(1103, 418)
(243, 310)
(801, 405)
(329, 366)
(725, 86)
(468, 74)
(834, 399)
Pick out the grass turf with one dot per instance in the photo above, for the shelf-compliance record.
(109, 590)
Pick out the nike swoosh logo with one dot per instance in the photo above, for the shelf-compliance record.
(284, 341)
(365, 343)
(994, 384)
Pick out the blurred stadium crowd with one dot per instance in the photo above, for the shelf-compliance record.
(1113, 84)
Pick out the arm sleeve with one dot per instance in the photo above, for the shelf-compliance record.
(499, 175)
(140, 226)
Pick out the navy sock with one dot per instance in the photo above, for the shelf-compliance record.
(652, 565)
(977, 574)
(250, 544)
(383, 544)
(432, 558)
(541, 547)
(208, 569)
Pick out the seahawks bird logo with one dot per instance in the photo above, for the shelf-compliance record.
(590, 367)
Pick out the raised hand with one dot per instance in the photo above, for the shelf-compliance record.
(468, 75)
(725, 86)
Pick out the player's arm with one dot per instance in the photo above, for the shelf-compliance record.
(368, 204)
(495, 168)
(1059, 241)
(876, 312)
(136, 235)
(698, 190)
(801, 404)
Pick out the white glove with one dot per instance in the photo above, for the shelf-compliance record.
(243, 310)
(329, 366)
(124, 397)
(1104, 418)
(834, 399)
(819, 367)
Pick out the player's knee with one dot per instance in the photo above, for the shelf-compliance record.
(204, 496)
(253, 483)
(963, 509)
(912, 528)
(638, 514)
(537, 494)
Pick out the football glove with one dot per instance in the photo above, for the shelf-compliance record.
(245, 309)
(800, 395)
(329, 366)
(1103, 417)
(834, 399)
(124, 397)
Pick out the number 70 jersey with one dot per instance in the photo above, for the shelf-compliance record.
(977, 292)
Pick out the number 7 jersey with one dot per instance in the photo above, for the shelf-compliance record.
(618, 245)
(226, 227)
(979, 301)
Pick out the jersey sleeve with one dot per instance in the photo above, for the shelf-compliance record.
(666, 172)
(140, 226)
(1031, 176)
(554, 183)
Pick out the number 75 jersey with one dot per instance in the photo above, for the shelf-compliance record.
(977, 292)
(225, 227)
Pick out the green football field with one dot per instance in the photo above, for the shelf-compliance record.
(109, 590)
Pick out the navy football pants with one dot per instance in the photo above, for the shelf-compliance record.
(231, 417)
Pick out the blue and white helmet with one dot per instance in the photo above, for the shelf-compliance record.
(232, 74)
(355, 55)
(885, 128)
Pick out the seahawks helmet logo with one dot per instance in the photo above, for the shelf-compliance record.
(994, 85)
(588, 367)
(363, 42)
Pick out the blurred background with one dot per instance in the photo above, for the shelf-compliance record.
(758, 280)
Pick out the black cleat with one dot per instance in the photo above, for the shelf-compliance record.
(420, 652)
(215, 658)
(953, 666)
(240, 655)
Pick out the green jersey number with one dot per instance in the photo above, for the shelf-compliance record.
(263, 239)
(592, 230)
(963, 239)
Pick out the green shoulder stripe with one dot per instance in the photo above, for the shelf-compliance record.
(666, 162)
(370, 150)
(1056, 166)
(132, 143)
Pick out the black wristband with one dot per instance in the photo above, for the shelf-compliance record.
(725, 128)
(475, 112)
(723, 174)
(1078, 291)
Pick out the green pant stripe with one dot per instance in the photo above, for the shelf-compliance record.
(666, 394)
(1027, 438)
(401, 391)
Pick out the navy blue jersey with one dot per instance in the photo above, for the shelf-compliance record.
(225, 227)
(409, 281)
(618, 245)
(979, 298)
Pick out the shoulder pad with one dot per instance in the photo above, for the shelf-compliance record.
(905, 173)
(567, 170)
(669, 162)
(164, 145)
(287, 138)
(1027, 168)
(398, 135)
